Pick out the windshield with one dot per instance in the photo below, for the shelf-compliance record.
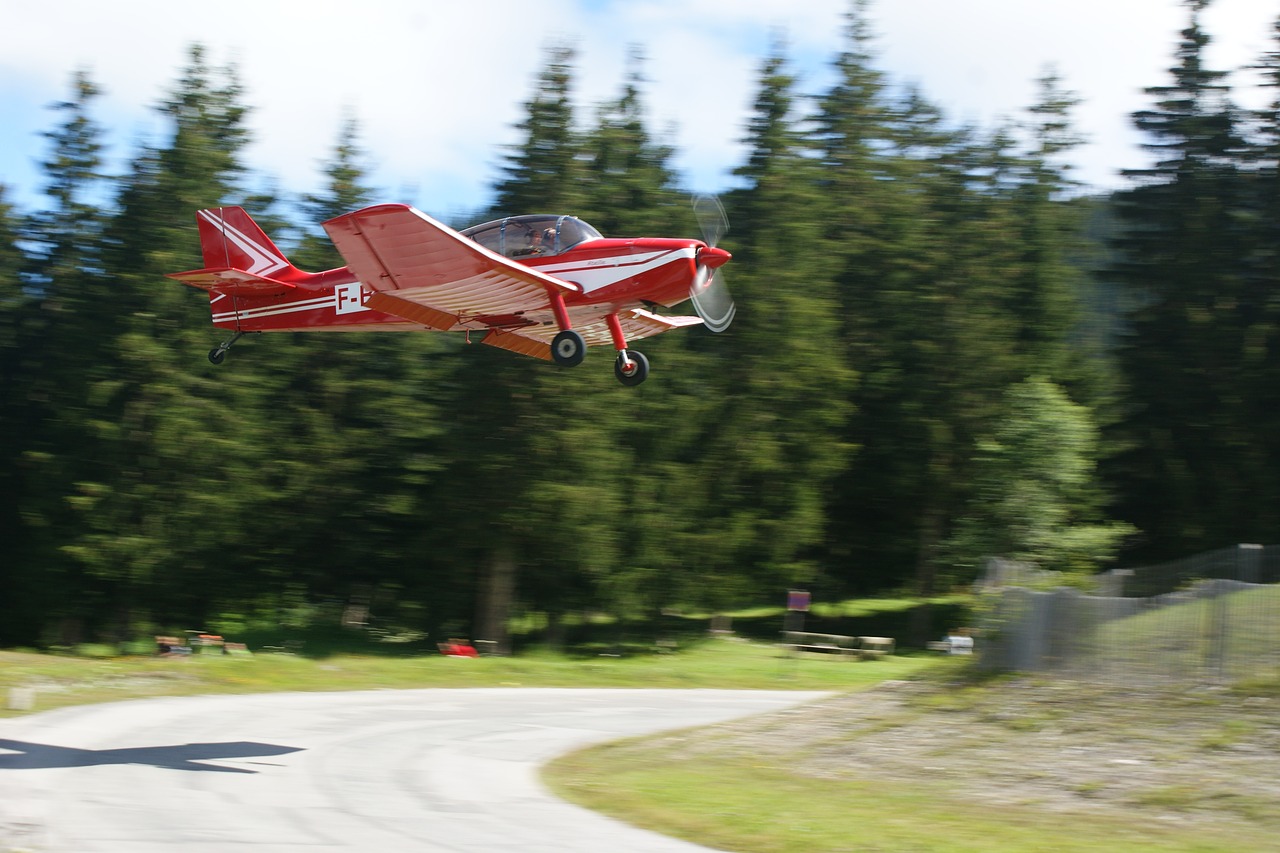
(532, 235)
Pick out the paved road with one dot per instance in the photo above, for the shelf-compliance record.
(395, 770)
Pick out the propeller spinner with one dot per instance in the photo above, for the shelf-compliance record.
(710, 296)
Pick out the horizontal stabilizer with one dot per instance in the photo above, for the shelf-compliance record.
(233, 282)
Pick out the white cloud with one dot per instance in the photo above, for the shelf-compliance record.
(979, 60)
(438, 87)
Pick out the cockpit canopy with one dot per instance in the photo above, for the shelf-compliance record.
(533, 235)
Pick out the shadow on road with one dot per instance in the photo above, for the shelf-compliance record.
(187, 756)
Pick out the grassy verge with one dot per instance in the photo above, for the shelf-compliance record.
(719, 663)
(744, 806)
(997, 765)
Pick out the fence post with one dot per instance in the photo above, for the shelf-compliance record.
(1248, 561)
(1215, 648)
(1034, 639)
(1111, 583)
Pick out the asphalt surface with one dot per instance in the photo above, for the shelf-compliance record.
(395, 770)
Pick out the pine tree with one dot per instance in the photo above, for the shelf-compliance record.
(346, 189)
(1260, 275)
(953, 285)
(64, 303)
(1194, 473)
(545, 171)
(775, 444)
(162, 439)
(886, 219)
(24, 575)
(630, 185)
(532, 499)
(1044, 292)
(352, 421)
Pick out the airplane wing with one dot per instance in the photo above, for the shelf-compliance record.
(426, 272)
(636, 323)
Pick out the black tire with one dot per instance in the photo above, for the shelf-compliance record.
(217, 355)
(639, 369)
(568, 349)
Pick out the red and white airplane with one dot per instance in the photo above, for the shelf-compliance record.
(541, 285)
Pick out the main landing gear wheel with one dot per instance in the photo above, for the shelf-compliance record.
(568, 349)
(631, 368)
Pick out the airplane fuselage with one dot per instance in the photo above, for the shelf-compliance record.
(538, 285)
(614, 274)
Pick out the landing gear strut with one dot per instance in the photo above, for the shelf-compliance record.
(218, 353)
(631, 368)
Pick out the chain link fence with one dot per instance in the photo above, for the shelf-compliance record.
(1214, 617)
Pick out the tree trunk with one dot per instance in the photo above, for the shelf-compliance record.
(926, 570)
(493, 610)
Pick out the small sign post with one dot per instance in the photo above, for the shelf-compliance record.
(797, 607)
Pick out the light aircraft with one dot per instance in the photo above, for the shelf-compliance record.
(547, 286)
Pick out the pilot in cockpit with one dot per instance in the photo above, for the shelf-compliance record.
(531, 240)
(542, 241)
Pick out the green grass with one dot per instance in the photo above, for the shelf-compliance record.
(62, 680)
(856, 607)
(871, 606)
(714, 788)
(751, 808)
(1193, 628)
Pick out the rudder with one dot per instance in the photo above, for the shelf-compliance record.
(230, 239)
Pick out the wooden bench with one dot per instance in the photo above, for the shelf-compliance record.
(171, 646)
(206, 644)
(801, 641)
(201, 643)
(838, 644)
(875, 647)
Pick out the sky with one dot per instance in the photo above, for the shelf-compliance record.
(438, 87)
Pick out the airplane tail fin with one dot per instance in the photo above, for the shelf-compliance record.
(239, 257)
(230, 238)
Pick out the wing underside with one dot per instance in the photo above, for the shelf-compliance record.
(402, 252)
(636, 323)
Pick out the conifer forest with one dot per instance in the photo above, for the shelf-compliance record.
(945, 350)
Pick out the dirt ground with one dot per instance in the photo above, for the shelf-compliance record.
(1185, 755)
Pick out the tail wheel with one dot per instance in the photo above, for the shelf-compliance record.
(218, 353)
(631, 368)
(568, 349)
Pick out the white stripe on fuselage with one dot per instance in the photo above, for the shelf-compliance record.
(326, 301)
(591, 276)
(602, 272)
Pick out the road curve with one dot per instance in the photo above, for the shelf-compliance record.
(393, 770)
